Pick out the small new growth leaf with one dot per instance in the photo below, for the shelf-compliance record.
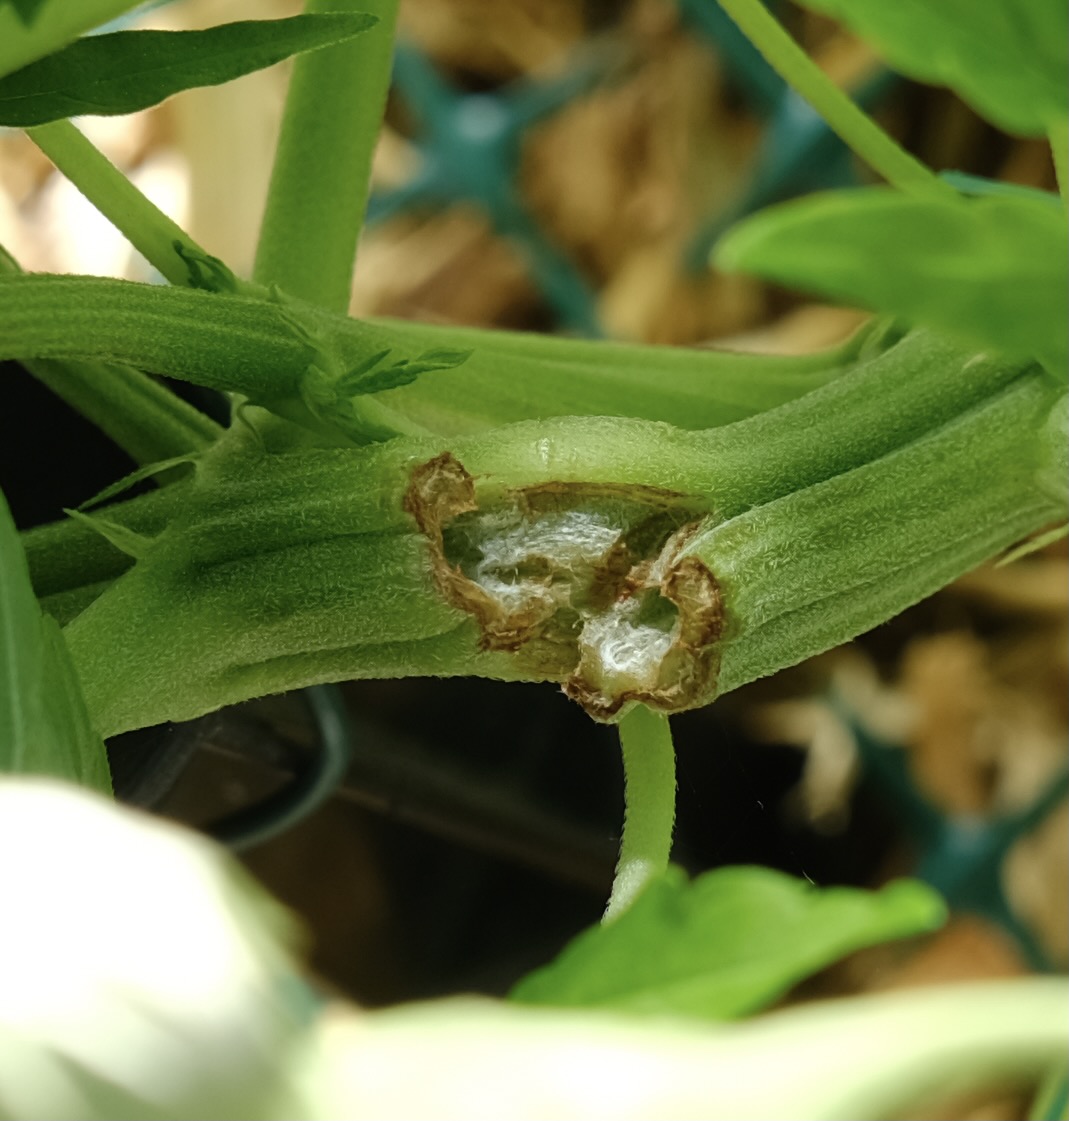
(350, 383)
(364, 379)
(205, 271)
(127, 481)
(126, 540)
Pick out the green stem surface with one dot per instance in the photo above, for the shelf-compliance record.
(286, 570)
(144, 225)
(319, 185)
(242, 343)
(799, 574)
(649, 806)
(144, 418)
(304, 568)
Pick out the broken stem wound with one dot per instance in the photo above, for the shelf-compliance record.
(649, 806)
(585, 583)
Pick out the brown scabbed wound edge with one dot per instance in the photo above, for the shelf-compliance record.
(685, 676)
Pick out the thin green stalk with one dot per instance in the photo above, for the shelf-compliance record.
(147, 228)
(850, 123)
(319, 185)
(140, 415)
(649, 806)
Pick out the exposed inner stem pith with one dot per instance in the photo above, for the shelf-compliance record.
(586, 583)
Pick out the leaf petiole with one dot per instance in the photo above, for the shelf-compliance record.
(650, 806)
(855, 127)
(165, 245)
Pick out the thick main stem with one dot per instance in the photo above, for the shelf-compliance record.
(650, 806)
(283, 570)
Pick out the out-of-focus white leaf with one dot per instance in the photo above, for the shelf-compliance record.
(141, 973)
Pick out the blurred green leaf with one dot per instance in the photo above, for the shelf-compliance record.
(725, 944)
(145, 975)
(991, 270)
(1007, 58)
(44, 726)
(107, 75)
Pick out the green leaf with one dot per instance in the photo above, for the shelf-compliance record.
(108, 75)
(44, 726)
(991, 270)
(1052, 1099)
(1007, 58)
(725, 944)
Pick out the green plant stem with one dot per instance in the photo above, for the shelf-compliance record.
(242, 343)
(147, 228)
(288, 570)
(890, 1054)
(649, 806)
(886, 401)
(854, 127)
(281, 570)
(319, 184)
(144, 418)
(800, 573)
